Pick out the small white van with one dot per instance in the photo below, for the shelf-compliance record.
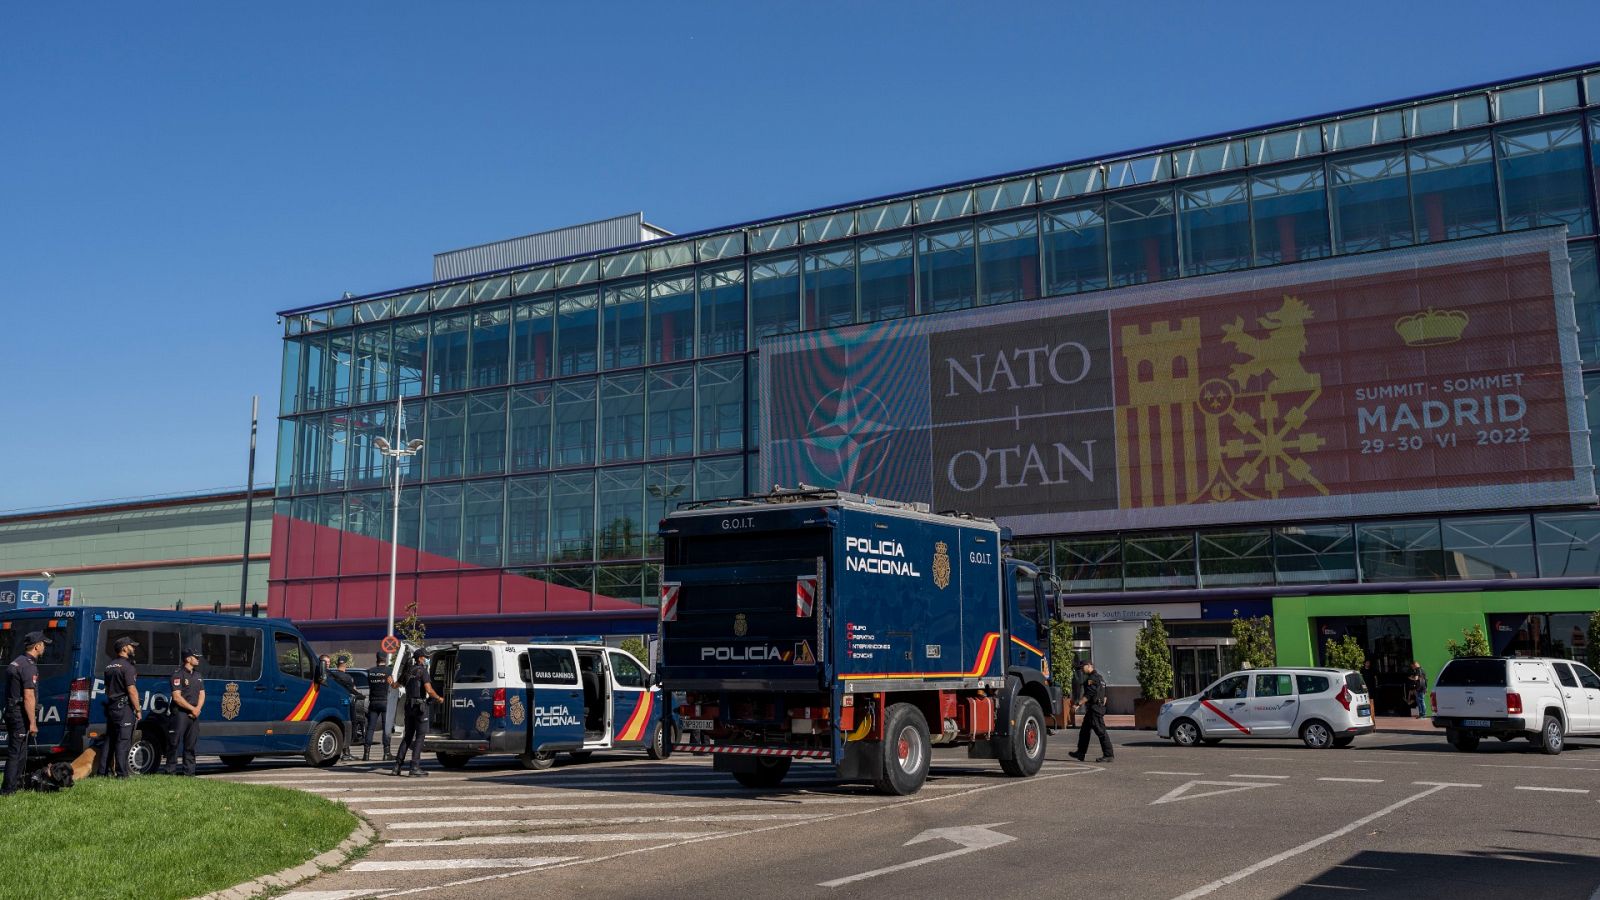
(1321, 707)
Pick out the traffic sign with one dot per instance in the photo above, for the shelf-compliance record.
(390, 644)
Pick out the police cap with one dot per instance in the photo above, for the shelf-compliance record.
(121, 642)
(194, 653)
(34, 637)
(419, 653)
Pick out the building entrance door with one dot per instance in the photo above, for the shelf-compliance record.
(1387, 642)
(1194, 665)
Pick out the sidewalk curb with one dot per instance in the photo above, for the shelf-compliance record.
(362, 836)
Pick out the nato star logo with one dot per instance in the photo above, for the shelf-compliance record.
(844, 432)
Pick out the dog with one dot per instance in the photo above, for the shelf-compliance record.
(49, 778)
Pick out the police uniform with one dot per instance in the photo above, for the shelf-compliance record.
(1094, 717)
(417, 714)
(377, 709)
(120, 714)
(184, 734)
(21, 676)
(358, 709)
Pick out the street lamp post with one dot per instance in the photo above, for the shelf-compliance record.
(396, 453)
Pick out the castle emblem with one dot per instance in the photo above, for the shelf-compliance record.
(230, 701)
(941, 565)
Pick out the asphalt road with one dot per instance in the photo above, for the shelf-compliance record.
(1394, 816)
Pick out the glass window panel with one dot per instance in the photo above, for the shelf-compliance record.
(447, 353)
(1448, 115)
(1090, 564)
(414, 302)
(575, 273)
(721, 405)
(622, 584)
(939, 207)
(491, 289)
(317, 321)
(290, 386)
(491, 346)
(336, 441)
(620, 534)
(621, 418)
(372, 310)
(671, 401)
(1075, 248)
(1071, 183)
(1236, 557)
(533, 281)
(1569, 544)
(450, 296)
(828, 228)
(1591, 405)
(1591, 88)
(410, 356)
(572, 516)
(1290, 209)
(1144, 170)
(888, 278)
(412, 426)
(1542, 178)
(670, 256)
(532, 338)
(622, 265)
(1536, 99)
(1210, 159)
(410, 515)
(447, 423)
(486, 433)
(571, 586)
(483, 523)
(527, 520)
(775, 296)
(374, 370)
(666, 485)
(1215, 218)
(774, 237)
(946, 268)
(752, 393)
(1008, 259)
(717, 479)
(1452, 188)
(1315, 554)
(441, 521)
(575, 423)
(288, 436)
(721, 246)
(672, 318)
(1036, 552)
(1143, 238)
(1282, 146)
(364, 515)
(341, 358)
(1586, 302)
(316, 374)
(530, 429)
(1159, 561)
(295, 325)
(1489, 547)
(1400, 551)
(1009, 195)
(885, 217)
(1365, 131)
(368, 466)
(830, 287)
(1371, 205)
(624, 331)
(722, 311)
(577, 332)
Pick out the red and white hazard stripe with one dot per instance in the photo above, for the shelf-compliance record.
(669, 600)
(805, 596)
(703, 749)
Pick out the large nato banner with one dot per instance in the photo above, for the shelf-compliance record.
(1425, 379)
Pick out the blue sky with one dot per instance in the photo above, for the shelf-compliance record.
(172, 174)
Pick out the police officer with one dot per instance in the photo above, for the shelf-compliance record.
(1094, 715)
(188, 696)
(418, 691)
(22, 709)
(378, 683)
(122, 709)
(358, 703)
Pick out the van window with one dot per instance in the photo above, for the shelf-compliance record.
(1234, 687)
(627, 672)
(1356, 683)
(231, 653)
(553, 666)
(1473, 673)
(1312, 684)
(292, 661)
(109, 637)
(1565, 676)
(1274, 686)
(57, 653)
(166, 646)
(474, 666)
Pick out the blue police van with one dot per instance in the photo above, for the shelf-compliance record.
(266, 693)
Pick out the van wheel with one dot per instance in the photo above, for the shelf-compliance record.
(235, 763)
(768, 773)
(1185, 733)
(326, 741)
(142, 754)
(659, 744)
(542, 759)
(906, 751)
(1466, 743)
(1317, 735)
(1553, 737)
(1027, 740)
(453, 760)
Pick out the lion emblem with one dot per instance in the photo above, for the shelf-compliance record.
(1278, 352)
(483, 721)
(230, 701)
(941, 565)
(741, 626)
(517, 712)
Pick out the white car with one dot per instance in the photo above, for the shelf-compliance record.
(1323, 707)
(1543, 700)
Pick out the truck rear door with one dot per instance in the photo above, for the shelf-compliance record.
(1471, 689)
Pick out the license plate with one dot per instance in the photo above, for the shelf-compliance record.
(1474, 723)
(1363, 710)
(698, 724)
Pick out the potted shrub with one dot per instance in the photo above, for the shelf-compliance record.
(1152, 662)
(1253, 645)
(1473, 643)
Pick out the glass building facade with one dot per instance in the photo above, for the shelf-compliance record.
(565, 407)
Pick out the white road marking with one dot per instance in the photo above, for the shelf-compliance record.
(710, 818)
(1173, 773)
(1523, 787)
(331, 895)
(1547, 768)
(1181, 792)
(1380, 762)
(663, 804)
(1333, 887)
(586, 838)
(1362, 868)
(414, 865)
(1447, 784)
(972, 838)
(1312, 844)
(1355, 780)
(1245, 775)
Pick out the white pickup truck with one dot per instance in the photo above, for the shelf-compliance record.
(1543, 700)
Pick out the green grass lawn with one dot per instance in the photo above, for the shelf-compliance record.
(158, 837)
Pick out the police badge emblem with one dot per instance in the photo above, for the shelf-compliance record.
(517, 712)
(483, 721)
(740, 626)
(941, 565)
(230, 701)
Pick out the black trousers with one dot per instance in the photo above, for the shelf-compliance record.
(377, 723)
(183, 737)
(1094, 720)
(416, 729)
(16, 749)
(358, 729)
(119, 740)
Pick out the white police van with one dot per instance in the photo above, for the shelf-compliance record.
(533, 701)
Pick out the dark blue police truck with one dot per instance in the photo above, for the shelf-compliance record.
(265, 692)
(821, 626)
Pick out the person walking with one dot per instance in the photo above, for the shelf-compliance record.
(358, 704)
(22, 708)
(122, 708)
(419, 689)
(1417, 686)
(188, 697)
(1077, 693)
(379, 681)
(1094, 716)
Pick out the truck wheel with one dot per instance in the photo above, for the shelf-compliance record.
(453, 760)
(235, 763)
(1553, 737)
(542, 759)
(768, 773)
(326, 742)
(1185, 733)
(907, 751)
(658, 748)
(1027, 740)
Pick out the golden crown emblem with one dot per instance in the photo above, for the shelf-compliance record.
(1431, 327)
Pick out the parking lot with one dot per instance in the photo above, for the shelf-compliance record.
(1398, 814)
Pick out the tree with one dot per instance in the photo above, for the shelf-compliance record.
(637, 648)
(1473, 643)
(411, 629)
(1591, 650)
(1253, 646)
(1345, 654)
(1152, 660)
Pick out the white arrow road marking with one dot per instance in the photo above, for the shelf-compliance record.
(711, 818)
(972, 838)
(1181, 792)
(414, 865)
(485, 839)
